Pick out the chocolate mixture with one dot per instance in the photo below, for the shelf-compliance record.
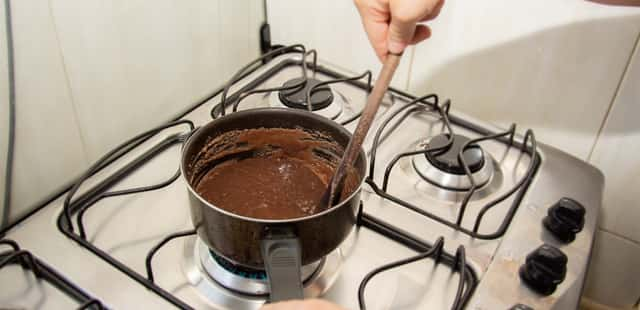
(272, 173)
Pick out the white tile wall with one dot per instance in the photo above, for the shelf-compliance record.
(240, 22)
(614, 277)
(549, 65)
(333, 28)
(617, 153)
(133, 64)
(93, 73)
(48, 149)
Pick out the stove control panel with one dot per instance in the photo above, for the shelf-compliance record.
(544, 269)
(565, 219)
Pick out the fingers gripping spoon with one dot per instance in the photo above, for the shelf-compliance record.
(332, 195)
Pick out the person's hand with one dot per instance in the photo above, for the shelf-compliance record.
(391, 25)
(307, 304)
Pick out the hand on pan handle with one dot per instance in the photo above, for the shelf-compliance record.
(392, 25)
(307, 304)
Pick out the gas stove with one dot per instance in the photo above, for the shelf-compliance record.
(455, 213)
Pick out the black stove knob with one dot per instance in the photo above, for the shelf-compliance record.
(565, 219)
(544, 269)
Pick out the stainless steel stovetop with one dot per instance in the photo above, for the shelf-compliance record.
(107, 257)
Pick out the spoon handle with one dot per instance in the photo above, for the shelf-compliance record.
(368, 114)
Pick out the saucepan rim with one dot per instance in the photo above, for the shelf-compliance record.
(201, 130)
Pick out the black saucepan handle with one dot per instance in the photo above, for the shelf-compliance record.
(282, 261)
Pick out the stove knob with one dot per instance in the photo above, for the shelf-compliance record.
(544, 269)
(565, 219)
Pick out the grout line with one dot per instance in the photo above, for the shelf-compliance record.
(625, 238)
(410, 71)
(69, 90)
(615, 96)
(587, 303)
(7, 186)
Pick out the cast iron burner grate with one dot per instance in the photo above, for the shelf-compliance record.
(79, 206)
(43, 271)
(302, 93)
(431, 103)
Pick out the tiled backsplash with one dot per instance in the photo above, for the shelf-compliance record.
(333, 28)
(551, 66)
(616, 153)
(136, 64)
(613, 274)
(91, 73)
(615, 277)
(48, 147)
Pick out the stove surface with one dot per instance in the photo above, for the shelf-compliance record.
(126, 227)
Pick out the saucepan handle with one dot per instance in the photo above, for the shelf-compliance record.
(282, 261)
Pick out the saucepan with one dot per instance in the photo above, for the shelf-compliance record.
(278, 246)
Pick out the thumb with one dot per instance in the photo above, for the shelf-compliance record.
(401, 31)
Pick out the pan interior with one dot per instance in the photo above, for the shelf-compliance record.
(269, 173)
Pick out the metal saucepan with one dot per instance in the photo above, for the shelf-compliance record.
(280, 247)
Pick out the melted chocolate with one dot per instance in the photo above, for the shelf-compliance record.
(272, 173)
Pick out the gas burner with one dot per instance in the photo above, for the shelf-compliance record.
(238, 270)
(323, 100)
(442, 168)
(297, 97)
(249, 281)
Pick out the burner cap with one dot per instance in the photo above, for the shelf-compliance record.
(447, 159)
(241, 271)
(297, 97)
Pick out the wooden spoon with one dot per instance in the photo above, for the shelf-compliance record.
(332, 195)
